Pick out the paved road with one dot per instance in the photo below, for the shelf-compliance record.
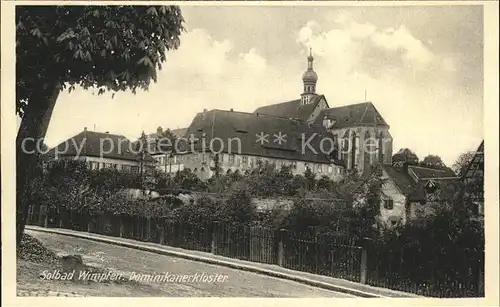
(126, 260)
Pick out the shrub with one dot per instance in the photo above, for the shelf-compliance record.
(239, 208)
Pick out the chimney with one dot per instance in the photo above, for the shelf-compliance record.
(327, 122)
(84, 128)
(231, 109)
(204, 110)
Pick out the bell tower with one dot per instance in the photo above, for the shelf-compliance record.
(309, 79)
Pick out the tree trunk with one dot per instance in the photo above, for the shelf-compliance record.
(33, 127)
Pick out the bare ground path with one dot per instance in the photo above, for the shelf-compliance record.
(126, 261)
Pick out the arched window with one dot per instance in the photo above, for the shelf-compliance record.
(368, 148)
(381, 147)
(345, 148)
(354, 149)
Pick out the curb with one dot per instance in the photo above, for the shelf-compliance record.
(243, 267)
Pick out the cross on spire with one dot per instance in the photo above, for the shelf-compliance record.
(309, 79)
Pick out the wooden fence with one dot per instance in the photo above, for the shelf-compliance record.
(334, 255)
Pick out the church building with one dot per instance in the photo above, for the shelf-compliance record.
(362, 133)
(305, 133)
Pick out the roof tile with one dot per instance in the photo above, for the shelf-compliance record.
(93, 144)
(360, 114)
(291, 109)
(231, 126)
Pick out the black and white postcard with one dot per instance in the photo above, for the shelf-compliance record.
(161, 150)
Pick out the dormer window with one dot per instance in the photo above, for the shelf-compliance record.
(305, 99)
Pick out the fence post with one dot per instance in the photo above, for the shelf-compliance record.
(89, 222)
(62, 216)
(148, 224)
(29, 218)
(281, 247)
(41, 208)
(213, 247)
(46, 220)
(364, 260)
(122, 226)
(162, 232)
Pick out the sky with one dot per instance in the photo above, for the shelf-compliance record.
(421, 66)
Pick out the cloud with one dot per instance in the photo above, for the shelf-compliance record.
(202, 73)
(199, 52)
(357, 39)
(254, 62)
(414, 51)
(414, 86)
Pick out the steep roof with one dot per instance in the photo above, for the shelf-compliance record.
(402, 180)
(360, 114)
(114, 146)
(291, 109)
(412, 182)
(430, 173)
(475, 169)
(405, 183)
(246, 127)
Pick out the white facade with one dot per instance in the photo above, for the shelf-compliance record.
(97, 163)
(203, 163)
(392, 204)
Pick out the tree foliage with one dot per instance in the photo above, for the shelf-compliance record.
(103, 48)
(164, 142)
(439, 251)
(366, 208)
(72, 186)
(462, 162)
(433, 161)
(405, 155)
(235, 208)
(106, 47)
(188, 180)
